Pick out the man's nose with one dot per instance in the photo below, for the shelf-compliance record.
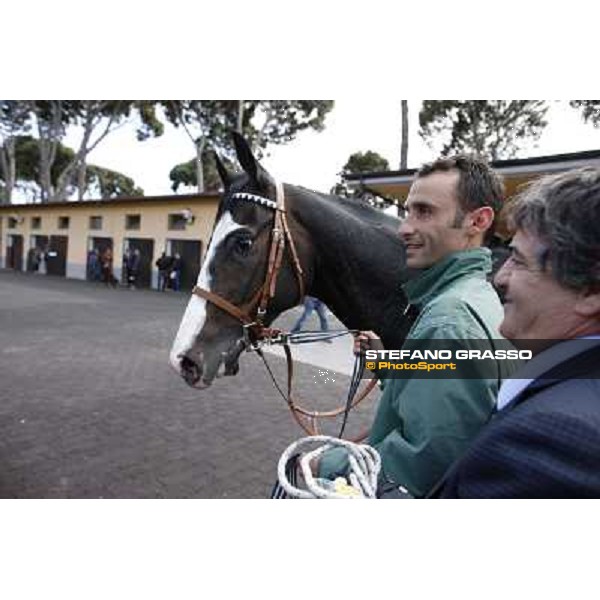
(406, 227)
(502, 276)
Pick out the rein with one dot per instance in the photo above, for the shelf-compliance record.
(308, 420)
(257, 333)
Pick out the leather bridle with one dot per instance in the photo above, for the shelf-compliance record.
(280, 237)
(254, 327)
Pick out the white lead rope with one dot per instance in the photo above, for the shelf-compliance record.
(365, 465)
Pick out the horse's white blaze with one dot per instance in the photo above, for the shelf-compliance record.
(195, 313)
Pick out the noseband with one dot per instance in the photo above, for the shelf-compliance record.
(280, 237)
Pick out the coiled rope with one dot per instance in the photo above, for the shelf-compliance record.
(364, 467)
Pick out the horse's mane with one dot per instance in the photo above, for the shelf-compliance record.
(356, 208)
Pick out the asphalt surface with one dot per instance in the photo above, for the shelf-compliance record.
(89, 407)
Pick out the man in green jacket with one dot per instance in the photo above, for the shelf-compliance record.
(422, 425)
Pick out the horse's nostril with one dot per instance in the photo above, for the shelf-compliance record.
(190, 370)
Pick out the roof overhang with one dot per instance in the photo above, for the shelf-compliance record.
(515, 173)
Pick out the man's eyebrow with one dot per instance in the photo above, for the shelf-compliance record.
(516, 252)
(422, 203)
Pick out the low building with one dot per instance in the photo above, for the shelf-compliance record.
(66, 233)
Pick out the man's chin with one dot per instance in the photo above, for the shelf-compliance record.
(417, 262)
(506, 331)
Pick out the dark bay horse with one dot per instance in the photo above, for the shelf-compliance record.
(350, 256)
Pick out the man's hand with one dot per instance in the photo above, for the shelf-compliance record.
(366, 340)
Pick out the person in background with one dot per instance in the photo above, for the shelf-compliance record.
(163, 264)
(312, 305)
(134, 268)
(94, 268)
(175, 274)
(106, 261)
(126, 266)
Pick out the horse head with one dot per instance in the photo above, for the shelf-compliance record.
(211, 338)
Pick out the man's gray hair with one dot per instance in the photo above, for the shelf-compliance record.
(563, 212)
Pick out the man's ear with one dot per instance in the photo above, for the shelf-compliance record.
(587, 304)
(480, 220)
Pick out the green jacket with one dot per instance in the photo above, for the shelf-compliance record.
(423, 425)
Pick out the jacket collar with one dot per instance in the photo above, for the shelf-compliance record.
(568, 359)
(430, 282)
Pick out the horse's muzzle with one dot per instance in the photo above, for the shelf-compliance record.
(190, 371)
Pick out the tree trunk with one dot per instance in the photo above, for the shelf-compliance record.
(240, 116)
(50, 133)
(78, 162)
(478, 143)
(200, 143)
(46, 161)
(81, 182)
(8, 168)
(76, 169)
(404, 144)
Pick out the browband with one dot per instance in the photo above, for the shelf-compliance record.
(254, 198)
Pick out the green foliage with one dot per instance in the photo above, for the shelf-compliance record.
(284, 119)
(491, 128)
(365, 162)
(262, 122)
(151, 125)
(28, 159)
(109, 183)
(589, 109)
(185, 173)
(362, 162)
(58, 168)
(14, 118)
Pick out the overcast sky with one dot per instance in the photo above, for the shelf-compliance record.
(314, 159)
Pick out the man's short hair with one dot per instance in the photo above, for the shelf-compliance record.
(563, 212)
(478, 184)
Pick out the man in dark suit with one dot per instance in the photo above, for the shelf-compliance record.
(544, 440)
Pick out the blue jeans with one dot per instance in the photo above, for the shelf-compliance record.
(312, 304)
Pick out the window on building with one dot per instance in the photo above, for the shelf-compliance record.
(95, 222)
(63, 222)
(177, 222)
(133, 221)
(12, 222)
(36, 222)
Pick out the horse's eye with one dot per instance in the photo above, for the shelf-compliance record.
(243, 245)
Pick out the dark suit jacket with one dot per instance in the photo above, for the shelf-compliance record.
(544, 444)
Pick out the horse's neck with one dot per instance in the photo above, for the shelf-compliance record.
(357, 266)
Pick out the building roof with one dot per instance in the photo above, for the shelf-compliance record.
(515, 166)
(104, 202)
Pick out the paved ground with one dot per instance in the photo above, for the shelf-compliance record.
(89, 407)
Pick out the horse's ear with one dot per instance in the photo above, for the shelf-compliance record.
(222, 169)
(245, 156)
(249, 163)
